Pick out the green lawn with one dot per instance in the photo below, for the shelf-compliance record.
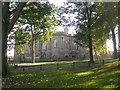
(49, 63)
(60, 62)
(105, 76)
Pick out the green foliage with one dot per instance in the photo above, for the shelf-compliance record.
(34, 12)
(40, 16)
(90, 22)
(99, 41)
(48, 29)
(100, 25)
(19, 49)
(108, 20)
(39, 20)
(19, 39)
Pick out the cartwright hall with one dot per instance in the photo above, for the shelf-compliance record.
(60, 47)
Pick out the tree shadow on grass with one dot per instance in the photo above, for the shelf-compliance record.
(88, 77)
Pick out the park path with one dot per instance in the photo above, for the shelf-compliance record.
(63, 66)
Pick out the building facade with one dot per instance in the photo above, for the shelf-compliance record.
(60, 47)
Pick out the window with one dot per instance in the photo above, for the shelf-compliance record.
(74, 43)
(55, 43)
(43, 46)
(66, 42)
(62, 43)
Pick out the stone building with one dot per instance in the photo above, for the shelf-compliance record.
(60, 47)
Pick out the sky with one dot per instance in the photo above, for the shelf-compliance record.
(71, 29)
(57, 2)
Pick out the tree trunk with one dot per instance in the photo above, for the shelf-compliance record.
(89, 13)
(33, 50)
(119, 42)
(90, 49)
(5, 24)
(16, 15)
(33, 46)
(0, 41)
(6, 28)
(5, 70)
(114, 44)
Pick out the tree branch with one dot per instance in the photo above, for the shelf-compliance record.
(16, 15)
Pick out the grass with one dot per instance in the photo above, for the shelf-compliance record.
(105, 76)
(59, 62)
(49, 63)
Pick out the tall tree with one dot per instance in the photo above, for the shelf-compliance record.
(119, 30)
(119, 42)
(110, 9)
(108, 23)
(86, 17)
(1, 43)
(40, 21)
(7, 25)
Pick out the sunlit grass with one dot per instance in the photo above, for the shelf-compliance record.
(84, 73)
(104, 76)
(60, 62)
(50, 63)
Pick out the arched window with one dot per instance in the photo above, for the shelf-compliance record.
(66, 44)
(74, 45)
(55, 43)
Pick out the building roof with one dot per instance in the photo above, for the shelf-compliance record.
(60, 33)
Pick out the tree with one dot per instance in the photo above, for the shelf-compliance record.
(1, 40)
(7, 25)
(17, 40)
(119, 31)
(40, 21)
(109, 9)
(119, 42)
(86, 17)
(102, 11)
(65, 14)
